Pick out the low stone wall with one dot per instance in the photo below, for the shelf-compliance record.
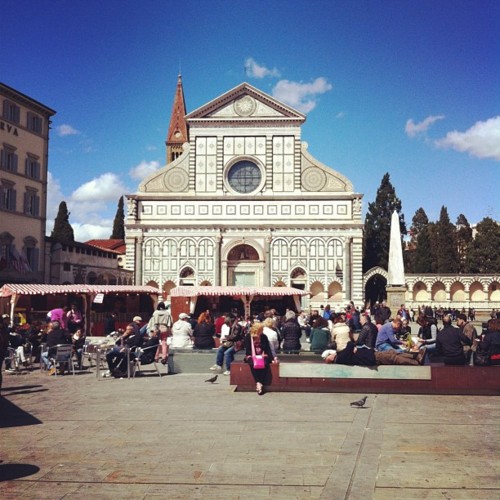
(459, 380)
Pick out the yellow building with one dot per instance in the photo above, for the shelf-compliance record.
(24, 141)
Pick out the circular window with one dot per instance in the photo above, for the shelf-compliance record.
(244, 176)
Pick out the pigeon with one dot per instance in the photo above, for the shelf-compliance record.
(212, 380)
(360, 403)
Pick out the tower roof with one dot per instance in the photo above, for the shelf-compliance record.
(178, 129)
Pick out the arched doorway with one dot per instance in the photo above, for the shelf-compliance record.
(243, 266)
(375, 289)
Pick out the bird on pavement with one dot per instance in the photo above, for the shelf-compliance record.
(212, 380)
(360, 403)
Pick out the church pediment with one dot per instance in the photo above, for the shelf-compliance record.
(245, 103)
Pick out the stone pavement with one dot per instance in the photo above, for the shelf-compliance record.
(179, 437)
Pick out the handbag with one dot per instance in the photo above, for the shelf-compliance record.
(257, 360)
(481, 358)
(227, 343)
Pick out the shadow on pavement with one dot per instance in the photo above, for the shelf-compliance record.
(8, 472)
(13, 416)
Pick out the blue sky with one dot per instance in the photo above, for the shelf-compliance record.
(406, 87)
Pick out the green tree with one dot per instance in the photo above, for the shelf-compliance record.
(422, 262)
(378, 225)
(483, 255)
(419, 225)
(119, 222)
(464, 238)
(63, 232)
(446, 244)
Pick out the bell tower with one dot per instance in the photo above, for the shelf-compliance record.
(178, 132)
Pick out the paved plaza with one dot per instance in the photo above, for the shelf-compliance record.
(179, 437)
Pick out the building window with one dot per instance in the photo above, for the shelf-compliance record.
(31, 203)
(34, 123)
(32, 167)
(244, 176)
(32, 253)
(7, 196)
(11, 111)
(8, 158)
(67, 266)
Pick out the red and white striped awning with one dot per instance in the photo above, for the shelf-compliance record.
(40, 289)
(235, 291)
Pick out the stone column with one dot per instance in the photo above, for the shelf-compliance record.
(267, 260)
(217, 263)
(347, 270)
(138, 260)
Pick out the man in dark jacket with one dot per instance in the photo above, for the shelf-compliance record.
(450, 342)
(55, 336)
(124, 345)
(368, 334)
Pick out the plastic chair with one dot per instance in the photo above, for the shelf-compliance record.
(63, 355)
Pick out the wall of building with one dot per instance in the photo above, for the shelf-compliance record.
(24, 135)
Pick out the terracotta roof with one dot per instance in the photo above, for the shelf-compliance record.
(111, 245)
(178, 129)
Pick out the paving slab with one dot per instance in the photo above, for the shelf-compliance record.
(176, 436)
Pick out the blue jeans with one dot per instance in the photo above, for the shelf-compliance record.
(386, 346)
(225, 354)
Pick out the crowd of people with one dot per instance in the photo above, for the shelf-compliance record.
(351, 336)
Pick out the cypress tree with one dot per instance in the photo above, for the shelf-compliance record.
(423, 252)
(446, 244)
(119, 222)
(63, 232)
(464, 237)
(418, 225)
(483, 255)
(378, 225)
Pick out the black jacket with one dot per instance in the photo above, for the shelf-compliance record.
(449, 345)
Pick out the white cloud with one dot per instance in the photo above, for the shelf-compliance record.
(95, 201)
(85, 232)
(65, 129)
(412, 129)
(104, 188)
(340, 115)
(255, 70)
(481, 140)
(144, 169)
(301, 96)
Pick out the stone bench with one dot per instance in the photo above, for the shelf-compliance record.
(316, 376)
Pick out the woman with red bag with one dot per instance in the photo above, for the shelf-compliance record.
(258, 355)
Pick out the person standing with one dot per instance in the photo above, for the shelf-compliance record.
(74, 319)
(261, 347)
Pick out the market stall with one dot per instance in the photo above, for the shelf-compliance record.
(247, 300)
(94, 300)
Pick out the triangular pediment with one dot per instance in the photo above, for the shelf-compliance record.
(245, 103)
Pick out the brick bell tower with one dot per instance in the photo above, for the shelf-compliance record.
(178, 132)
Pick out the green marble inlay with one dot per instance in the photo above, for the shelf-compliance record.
(323, 370)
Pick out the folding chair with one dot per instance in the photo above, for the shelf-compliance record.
(136, 363)
(63, 355)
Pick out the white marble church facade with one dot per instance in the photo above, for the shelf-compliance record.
(247, 204)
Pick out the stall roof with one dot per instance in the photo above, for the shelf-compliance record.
(40, 289)
(266, 291)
